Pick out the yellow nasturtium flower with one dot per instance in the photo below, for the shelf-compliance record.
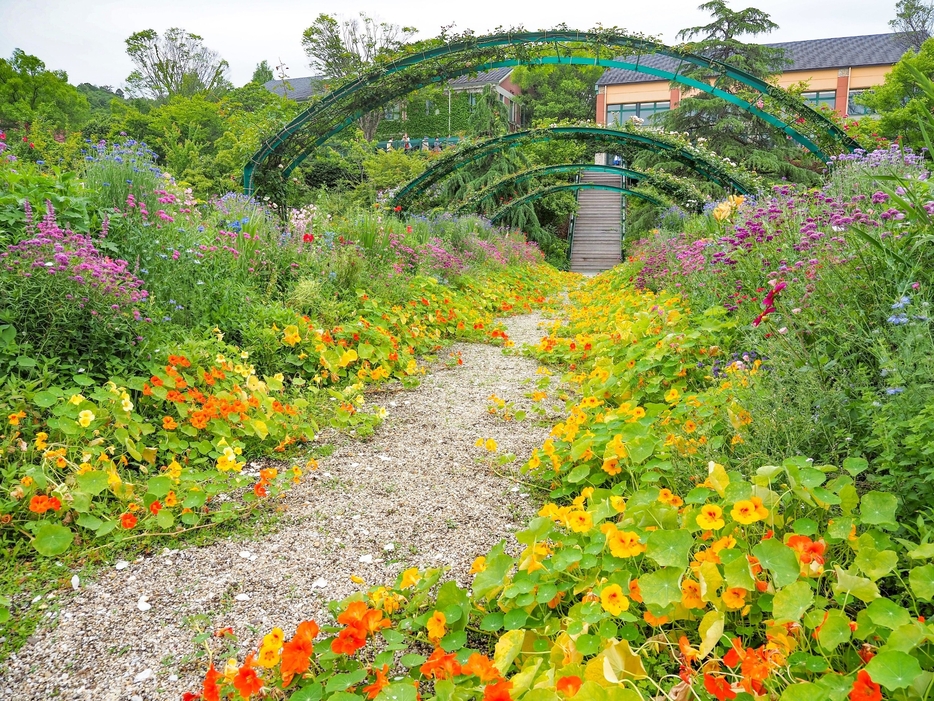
(410, 578)
(710, 517)
(613, 600)
(85, 418)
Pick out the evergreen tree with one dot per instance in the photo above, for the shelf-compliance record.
(727, 129)
(263, 73)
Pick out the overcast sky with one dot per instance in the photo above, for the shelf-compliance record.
(85, 38)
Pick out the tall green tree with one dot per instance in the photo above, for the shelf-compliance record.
(899, 100)
(557, 93)
(263, 73)
(913, 23)
(177, 63)
(29, 91)
(338, 49)
(727, 129)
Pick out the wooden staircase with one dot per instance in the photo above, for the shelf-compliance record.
(597, 226)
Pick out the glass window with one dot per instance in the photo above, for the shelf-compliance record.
(392, 112)
(472, 99)
(429, 108)
(646, 111)
(856, 110)
(820, 98)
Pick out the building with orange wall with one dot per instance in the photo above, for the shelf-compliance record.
(834, 71)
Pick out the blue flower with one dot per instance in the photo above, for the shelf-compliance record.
(902, 303)
(898, 319)
(894, 390)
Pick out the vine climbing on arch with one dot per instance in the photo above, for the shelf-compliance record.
(570, 187)
(445, 58)
(703, 162)
(678, 189)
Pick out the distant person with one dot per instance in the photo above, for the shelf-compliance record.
(406, 144)
(437, 144)
(389, 146)
(617, 161)
(425, 145)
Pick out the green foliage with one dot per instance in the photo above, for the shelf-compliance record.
(899, 100)
(177, 63)
(725, 128)
(30, 92)
(557, 93)
(263, 73)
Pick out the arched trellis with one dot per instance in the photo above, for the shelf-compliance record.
(536, 194)
(664, 186)
(386, 82)
(691, 158)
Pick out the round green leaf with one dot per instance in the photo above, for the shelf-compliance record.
(893, 669)
(878, 508)
(669, 548)
(52, 539)
(454, 641)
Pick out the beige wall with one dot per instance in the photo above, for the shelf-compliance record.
(825, 79)
(868, 76)
(656, 91)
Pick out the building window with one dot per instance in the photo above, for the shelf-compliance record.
(392, 112)
(429, 107)
(472, 99)
(820, 98)
(856, 110)
(646, 111)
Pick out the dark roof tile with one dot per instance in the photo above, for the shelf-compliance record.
(812, 54)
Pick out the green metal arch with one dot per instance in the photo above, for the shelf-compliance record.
(463, 157)
(358, 95)
(537, 194)
(543, 171)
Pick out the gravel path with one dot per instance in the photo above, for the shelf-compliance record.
(413, 494)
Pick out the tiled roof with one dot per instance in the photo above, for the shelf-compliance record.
(298, 89)
(491, 77)
(838, 52)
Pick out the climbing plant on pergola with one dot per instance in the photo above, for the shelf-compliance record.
(678, 189)
(442, 59)
(543, 191)
(703, 162)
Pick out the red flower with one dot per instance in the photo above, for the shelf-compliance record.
(348, 641)
(247, 681)
(54, 504)
(372, 690)
(209, 690)
(39, 504)
(259, 489)
(128, 521)
(296, 657)
(397, 208)
(190, 696)
(308, 238)
(440, 666)
(497, 692)
(155, 507)
(864, 688)
(568, 686)
(718, 687)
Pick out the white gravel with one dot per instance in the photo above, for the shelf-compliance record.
(413, 494)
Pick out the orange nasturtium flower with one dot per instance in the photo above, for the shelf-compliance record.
(481, 667)
(624, 543)
(613, 600)
(128, 521)
(498, 691)
(691, 595)
(580, 521)
(410, 578)
(748, 511)
(296, 654)
(665, 496)
(711, 517)
(436, 626)
(568, 686)
(864, 688)
(168, 423)
(478, 566)
(247, 681)
(381, 682)
(734, 597)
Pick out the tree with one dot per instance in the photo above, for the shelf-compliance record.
(339, 49)
(727, 129)
(558, 93)
(175, 64)
(28, 90)
(913, 23)
(263, 73)
(899, 100)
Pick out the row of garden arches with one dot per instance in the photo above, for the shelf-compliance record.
(438, 60)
